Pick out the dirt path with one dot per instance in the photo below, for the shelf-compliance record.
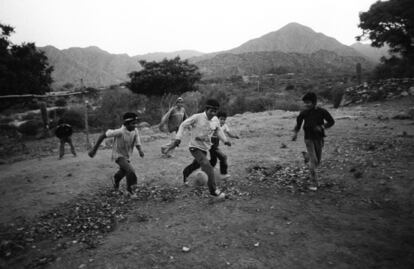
(362, 217)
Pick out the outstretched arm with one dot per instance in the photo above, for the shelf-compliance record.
(231, 134)
(93, 151)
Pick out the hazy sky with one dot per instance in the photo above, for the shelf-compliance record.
(142, 26)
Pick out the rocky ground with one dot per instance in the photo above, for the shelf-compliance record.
(63, 214)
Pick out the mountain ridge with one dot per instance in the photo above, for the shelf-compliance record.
(96, 67)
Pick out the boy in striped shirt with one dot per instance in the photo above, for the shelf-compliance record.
(125, 139)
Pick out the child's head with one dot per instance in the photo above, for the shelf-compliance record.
(130, 120)
(310, 100)
(179, 102)
(222, 116)
(212, 107)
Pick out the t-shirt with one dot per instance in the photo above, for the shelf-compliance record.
(63, 130)
(124, 142)
(177, 116)
(202, 130)
(314, 117)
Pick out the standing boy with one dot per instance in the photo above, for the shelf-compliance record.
(215, 152)
(203, 125)
(316, 120)
(125, 139)
(64, 132)
(173, 118)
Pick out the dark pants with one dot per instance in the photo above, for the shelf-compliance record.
(200, 160)
(62, 146)
(125, 169)
(216, 153)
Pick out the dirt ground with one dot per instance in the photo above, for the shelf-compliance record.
(63, 214)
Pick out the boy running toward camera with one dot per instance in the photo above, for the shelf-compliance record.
(125, 139)
(316, 120)
(203, 125)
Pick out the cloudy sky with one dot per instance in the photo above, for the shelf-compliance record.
(142, 26)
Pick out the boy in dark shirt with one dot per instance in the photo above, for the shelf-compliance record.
(316, 120)
(64, 133)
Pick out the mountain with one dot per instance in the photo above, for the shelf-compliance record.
(94, 66)
(372, 53)
(293, 37)
(321, 62)
(97, 67)
(293, 47)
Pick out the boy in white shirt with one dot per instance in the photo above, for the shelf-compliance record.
(125, 139)
(203, 125)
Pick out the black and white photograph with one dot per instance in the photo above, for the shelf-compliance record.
(189, 134)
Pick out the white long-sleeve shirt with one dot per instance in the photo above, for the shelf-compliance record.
(201, 131)
(124, 142)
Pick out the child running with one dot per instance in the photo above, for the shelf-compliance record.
(316, 120)
(173, 118)
(125, 139)
(203, 125)
(215, 152)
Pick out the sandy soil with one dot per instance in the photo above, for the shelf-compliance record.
(361, 217)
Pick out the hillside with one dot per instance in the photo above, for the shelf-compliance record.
(95, 66)
(294, 46)
(295, 37)
(322, 61)
(372, 53)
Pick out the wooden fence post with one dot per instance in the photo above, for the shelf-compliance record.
(87, 125)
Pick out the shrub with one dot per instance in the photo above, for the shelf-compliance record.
(30, 127)
(290, 87)
(75, 117)
(61, 102)
(337, 97)
(118, 101)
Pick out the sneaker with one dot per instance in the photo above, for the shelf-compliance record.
(131, 195)
(219, 195)
(225, 176)
(313, 188)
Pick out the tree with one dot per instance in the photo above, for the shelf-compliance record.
(166, 77)
(23, 69)
(390, 22)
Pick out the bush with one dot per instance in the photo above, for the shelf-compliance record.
(287, 105)
(290, 87)
(118, 101)
(337, 97)
(30, 127)
(61, 102)
(75, 117)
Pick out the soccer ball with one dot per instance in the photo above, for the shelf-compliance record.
(199, 178)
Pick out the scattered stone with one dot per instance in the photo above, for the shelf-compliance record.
(379, 90)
